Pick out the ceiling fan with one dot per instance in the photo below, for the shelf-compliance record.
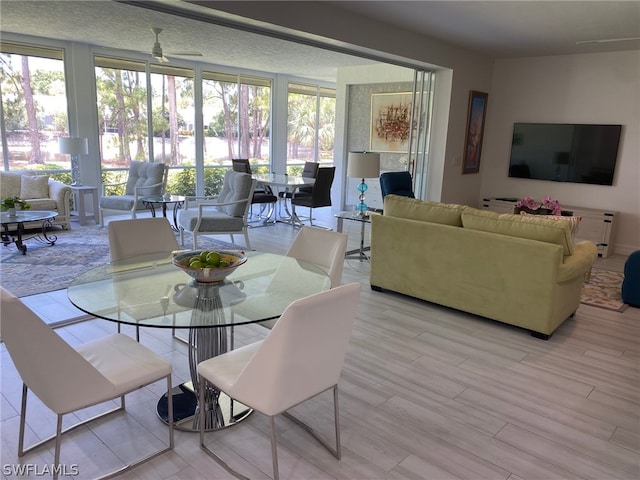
(157, 53)
(608, 40)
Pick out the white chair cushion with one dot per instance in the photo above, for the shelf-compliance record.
(223, 370)
(212, 221)
(142, 174)
(113, 357)
(236, 186)
(120, 202)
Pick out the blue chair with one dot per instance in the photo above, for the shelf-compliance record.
(397, 183)
(631, 282)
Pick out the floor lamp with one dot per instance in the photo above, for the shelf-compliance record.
(363, 165)
(74, 147)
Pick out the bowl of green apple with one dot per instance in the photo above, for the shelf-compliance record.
(209, 266)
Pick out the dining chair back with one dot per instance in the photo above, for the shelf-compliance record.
(320, 195)
(140, 236)
(225, 214)
(324, 248)
(143, 179)
(310, 170)
(241, 165)
(67, 379)
(301, 357)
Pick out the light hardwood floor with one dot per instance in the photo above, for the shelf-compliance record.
(426, 393)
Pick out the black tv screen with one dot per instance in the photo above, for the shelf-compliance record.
(561, 152)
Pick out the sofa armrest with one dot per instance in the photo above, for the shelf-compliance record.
(577, 264)
(61, 193)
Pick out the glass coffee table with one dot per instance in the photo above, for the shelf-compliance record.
(19, 219)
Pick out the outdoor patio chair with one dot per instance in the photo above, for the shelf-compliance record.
(225, 214)
(144, 179)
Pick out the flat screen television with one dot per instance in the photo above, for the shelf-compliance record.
(560, 152)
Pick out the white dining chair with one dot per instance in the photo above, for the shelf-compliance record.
(301, 357)
(324, 248)
(67, 379)
(140, 236)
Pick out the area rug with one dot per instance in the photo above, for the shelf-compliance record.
(46, 268)
(604, 290)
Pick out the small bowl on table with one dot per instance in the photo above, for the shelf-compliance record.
(209, 274)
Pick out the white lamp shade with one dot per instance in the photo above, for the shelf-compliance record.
(363, 164)
(73, 146)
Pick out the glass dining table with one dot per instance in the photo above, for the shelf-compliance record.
(282, 184)
(149, 291)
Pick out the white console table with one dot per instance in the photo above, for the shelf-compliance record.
(596, 225)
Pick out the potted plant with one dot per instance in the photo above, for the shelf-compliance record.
(11, 204)
(548, 206)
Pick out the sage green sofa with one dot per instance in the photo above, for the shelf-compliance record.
(521, 270)
(42, 193)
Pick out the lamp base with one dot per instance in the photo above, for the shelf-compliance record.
(362, 207)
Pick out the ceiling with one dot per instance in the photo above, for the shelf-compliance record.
(493, 28)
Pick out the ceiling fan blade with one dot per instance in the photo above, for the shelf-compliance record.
(608, 40)
(185, 54)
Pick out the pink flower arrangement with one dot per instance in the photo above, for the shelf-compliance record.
(548, 203)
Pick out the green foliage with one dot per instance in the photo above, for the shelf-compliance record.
(53, 170)
(183, 182)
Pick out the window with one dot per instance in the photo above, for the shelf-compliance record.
(236, 111)
(311, 125)
(173, 115)
(34, 107)
(121, 88)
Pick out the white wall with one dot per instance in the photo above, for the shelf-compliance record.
(588, 88)
(344, 189)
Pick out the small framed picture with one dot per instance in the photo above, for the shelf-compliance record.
(475, 131)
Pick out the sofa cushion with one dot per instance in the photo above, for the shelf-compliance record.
(11, 183)
(34, 186)
(534, 227)
(414, 209)
(44, 204)
(574, 221)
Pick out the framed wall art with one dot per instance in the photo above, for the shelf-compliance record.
(475, 131)
(390, 122)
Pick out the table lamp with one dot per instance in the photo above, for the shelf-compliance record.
(363, 165)
(74, 147)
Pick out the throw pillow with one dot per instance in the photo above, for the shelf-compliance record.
(574, 221)
(34, 186)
